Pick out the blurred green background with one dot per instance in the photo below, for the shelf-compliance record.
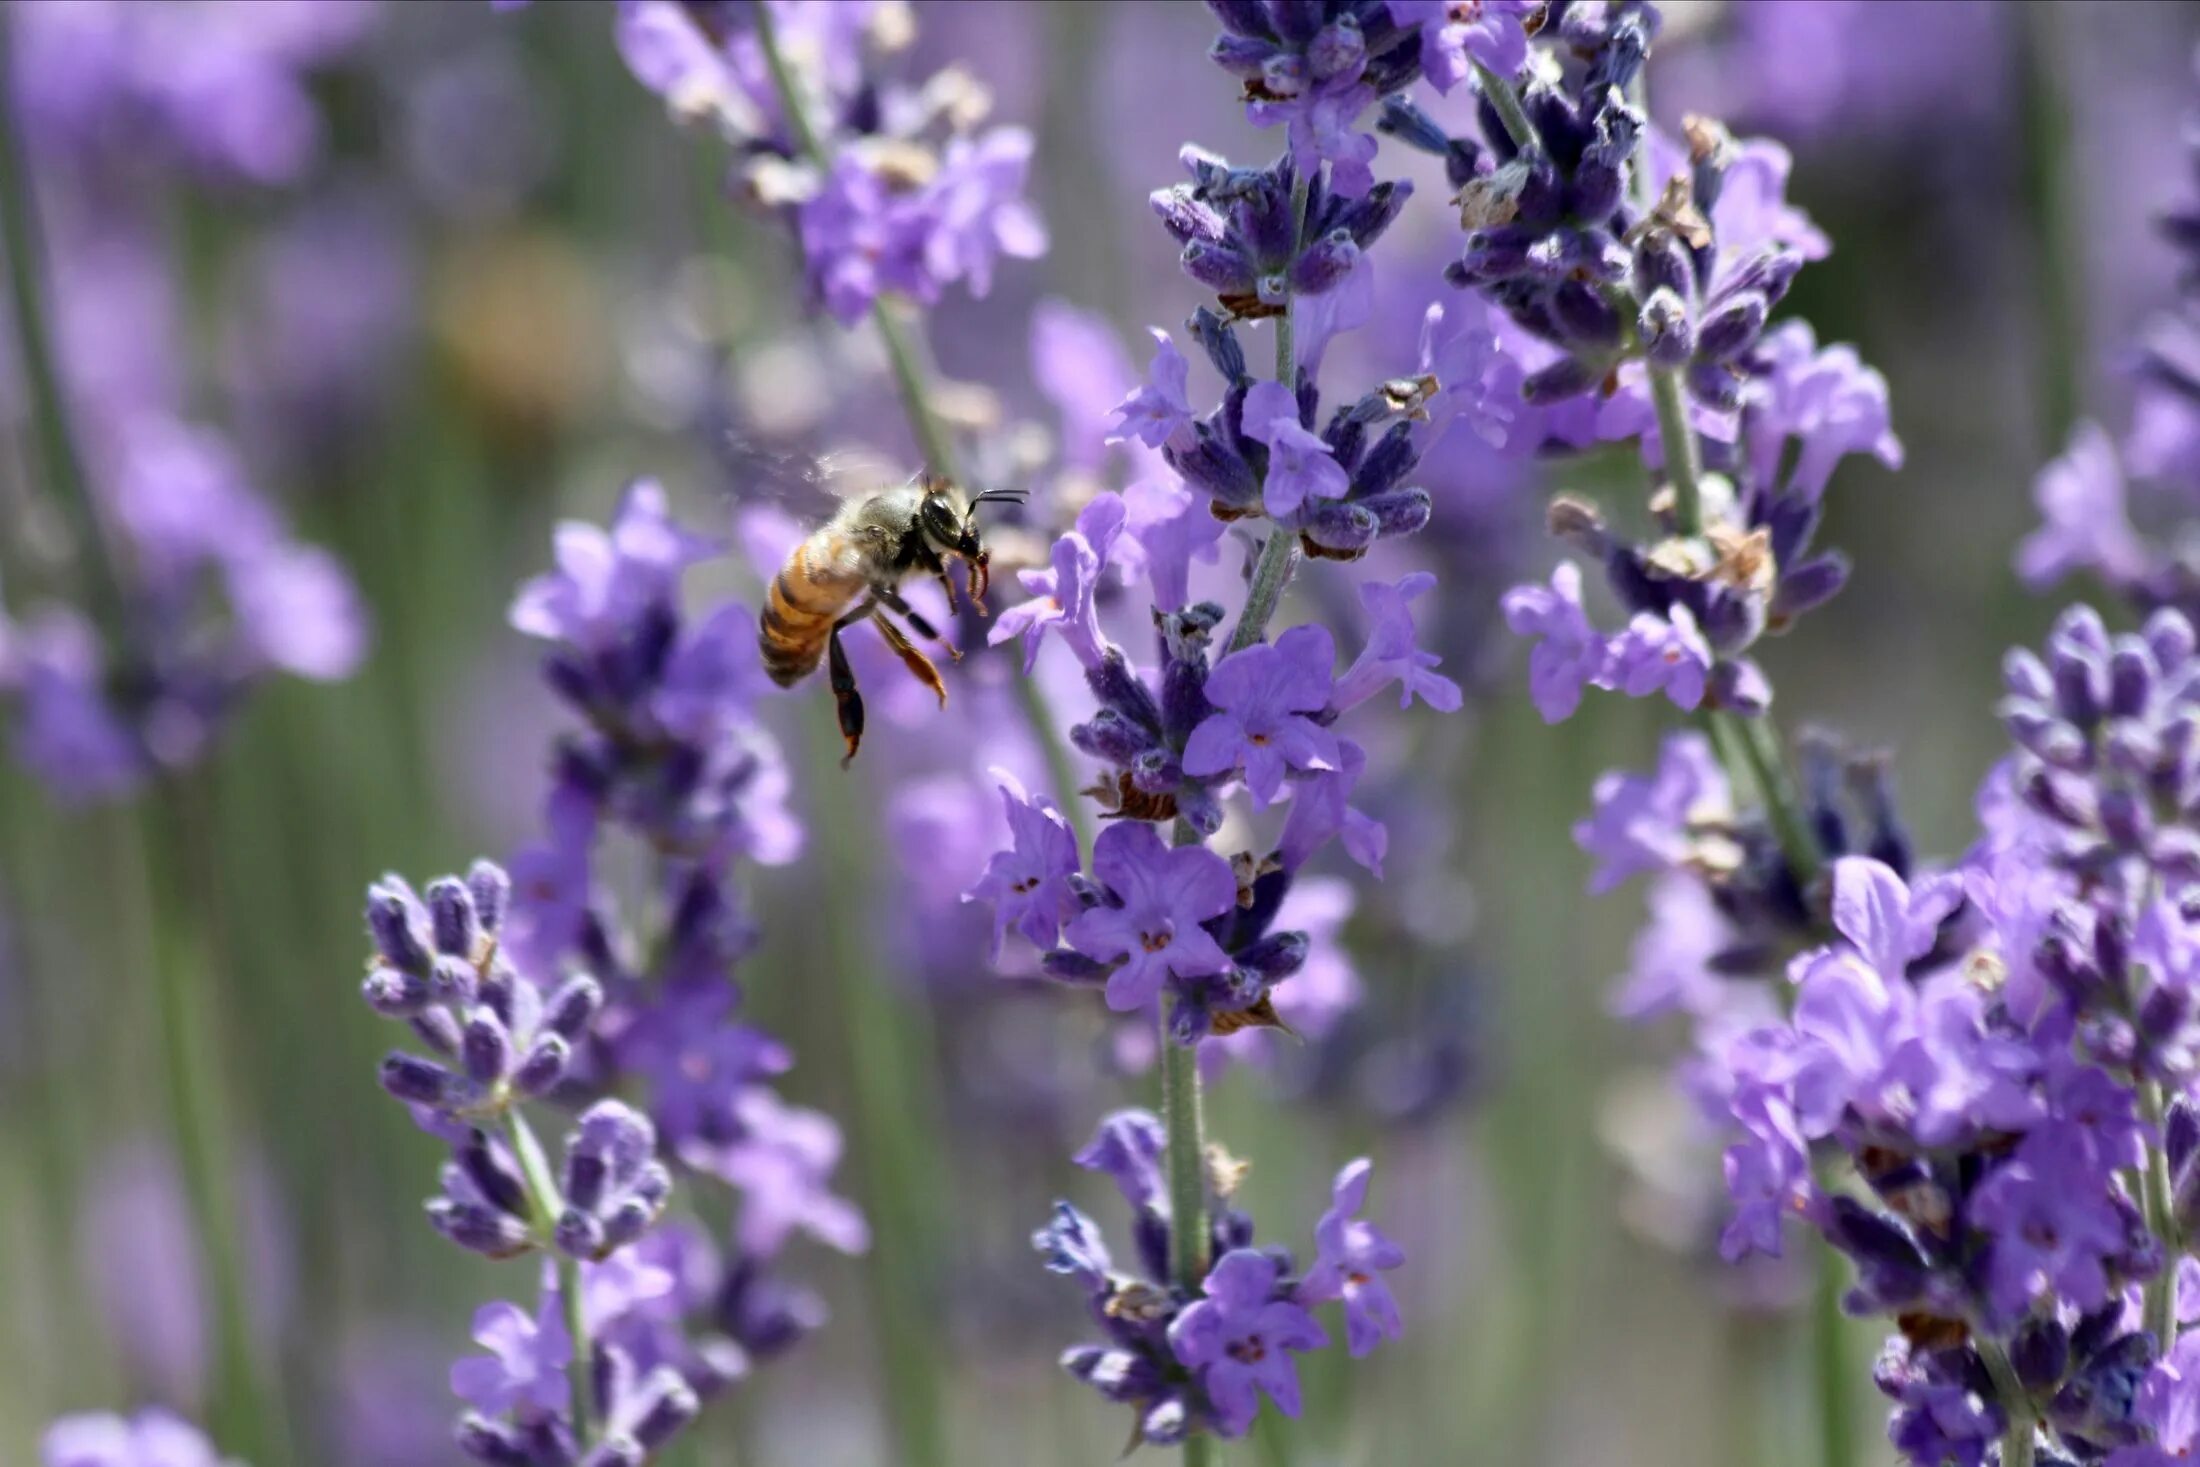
(1988, 198)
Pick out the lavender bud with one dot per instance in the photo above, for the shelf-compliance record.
(1220, 268)
(492, 1442)
(1668, 336)
(392, 994)
(2081, 682)
(1109, 736)
(491, 889)
(1740, 686)
(438, 1030)
(1275, 957)
(1117, 687)
(479, 1163)
(2131, 673)
(1324, 265)
(2163, 1013)
(1197, 804)
(478, 1229)
(1368, 217)
(391, 920)
(2171, 637)
(1810, 585)
(670, 1407)
(1410, 125)
(417, 1081)
(1569, 377)
(1241, 56)
(486, 1049)
(2041, 1353)
(579, 1235)
(1220, 343)
(1067, 965)
(545, 1065)
(1732, 327)
(452, 980)
(615, 1451)
(1400, 512)
(1339, 526)
(587, 1176)
(1392, 458)
(1497, 254)
(1662, 263)
(2025, 676)
(2180, 1134)
(573, 1007)
(1156, 772)
(2081, 626)
(1336, 48)
(451, 915)
(1187, 220)
(1586, 317)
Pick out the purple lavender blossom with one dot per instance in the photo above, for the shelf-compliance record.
(1300, 465)
(1569, 653)
(1160, 411)
(2085, 524)
(1262, 697)
(1455, 38)
(1237, 1339)
(152, 1438)
(1152, 927)
(1352, 1254)
(1390, 654)
(1650, 824)
(1028, 884)
(524, 1369)
(1062, 596)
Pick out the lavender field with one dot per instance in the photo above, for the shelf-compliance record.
(966, 733)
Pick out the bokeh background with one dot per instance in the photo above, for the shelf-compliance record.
(487, 281)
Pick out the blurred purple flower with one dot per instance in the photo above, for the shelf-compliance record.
(152, 1438)
(524, 1370)
(1062, 596)
(1454, 36)
(1391, 655)
(1569, 653)
(1351, 1254)
(1160, 411)
(2084, 522)
(1648, 824)
(782, 1163)
(1127, 1149)
(606, 579)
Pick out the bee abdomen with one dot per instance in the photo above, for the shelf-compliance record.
(798, 618)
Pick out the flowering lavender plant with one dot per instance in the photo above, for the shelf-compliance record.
(539, 991)
(1164, 926)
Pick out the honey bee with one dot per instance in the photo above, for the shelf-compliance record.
(853, 567)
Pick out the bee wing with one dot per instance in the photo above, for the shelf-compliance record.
(814, 485)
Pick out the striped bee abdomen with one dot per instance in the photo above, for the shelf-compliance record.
(807, 596)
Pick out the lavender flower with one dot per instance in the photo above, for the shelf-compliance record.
(152, 1438)
(1236, 1334)
(1149, 921)
(895, 192)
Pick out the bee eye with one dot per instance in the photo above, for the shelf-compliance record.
(939, 520)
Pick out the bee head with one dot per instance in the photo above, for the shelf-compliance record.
(953, 526)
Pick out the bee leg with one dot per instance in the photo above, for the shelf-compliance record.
(848, 702)
(925, 629)
(947, 584)
(912, 657)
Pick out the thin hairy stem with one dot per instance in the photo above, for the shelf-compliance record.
(543, 1206)
(1683, 458)
(2017, 1443)
(2161, 1291)
(1506, 100)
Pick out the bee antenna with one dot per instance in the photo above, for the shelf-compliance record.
(1007, 496)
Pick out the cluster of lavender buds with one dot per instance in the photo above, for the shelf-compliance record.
(1195, 943)
(126, 641)
(1918, 1069)
(2086, 507)
(889, 188)
(1631, 281)
(2003, 1055)
(564, 1383)
(536, 990)
(1191, 1364)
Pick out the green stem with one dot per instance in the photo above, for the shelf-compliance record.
(1287, 349)
(1683, 459)
(2018, 1441)
(2161, 1290)
(1181, 1113)
(62, 467)
(1506, 100)
(1279, 556)
(1832, 1369)
(544, 1204)
(182, 954)
(1760, 746)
